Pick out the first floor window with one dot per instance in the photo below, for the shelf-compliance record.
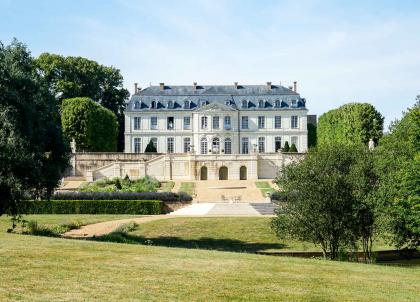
(187, 122)
(170, 123)
(137, 121)
(228, 125)
(204, 122)
(294, 140)
(294, 121)
(244, 123)
(170, 145)
(228, 146)
(261, 122)
(215, 122)
(203, 146)
(153, 123)
(245, 145)
(154, 141)
(215, 145)
(137, 145)
(261, 144)
(187, 143)
(277, 143)
(277, 122)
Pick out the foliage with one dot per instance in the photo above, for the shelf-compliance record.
(144, 184)
(167, 186)
(265, 188)
(398, 164)
(312, 129)
(33, 228)
(293, 148)
(187, 189)
(71, 77)
(353, 123)
(328, 198)
(163, 196)
(150, 147)
(33, 154)
(143, 207)
(93, 127)
(286, 147)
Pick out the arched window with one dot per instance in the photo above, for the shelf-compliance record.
(215, 148)
(228, 146)
(170, 104)
(186, 105)
(260, 104)
(137, 105)
(153, 105)
(244, 104)
(277, 104)
(203, 146)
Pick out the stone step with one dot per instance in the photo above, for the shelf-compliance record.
(265, 208)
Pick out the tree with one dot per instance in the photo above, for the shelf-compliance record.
(328, 195)
(293, 148)
(150, 147)
(354, 123)
(93, 127)
(286, 147)
(33, 154)
(70, 77)
(311, 135)
(398, 164)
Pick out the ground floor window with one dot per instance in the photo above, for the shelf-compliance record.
(261, 145)
(203, 146)
(277, 143)
(170, 145)
(294, 140)
(228, 146)
(137, 145)
(187, 143)
(245, 145)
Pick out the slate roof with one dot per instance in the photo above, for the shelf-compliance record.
(174, 98)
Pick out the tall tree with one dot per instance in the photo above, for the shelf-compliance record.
(33, 154)
(71, 77)
(352, 123)
(398, 164)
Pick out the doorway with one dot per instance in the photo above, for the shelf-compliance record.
(242, 173)
(223, 173)
(203, 173)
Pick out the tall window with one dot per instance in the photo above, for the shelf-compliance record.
(294, 140)
(154, 141)
(260, 104)
(137, 105)
(137, 145)
(228, 146)
(170, 145)
(261, 122)
(261, 144)
(215, 148)
(187, 143)
(244, 122)
(187, 122)
(227, 121)
(170, 123)
(137, 121)
(204, 122)
(216, 122)
(245, 145)
(277, 122)
(294, 121)
(277, 143)
(203, 146)
(153, 122)
(244, 104)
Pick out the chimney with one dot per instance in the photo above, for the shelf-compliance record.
(135, 88)
(162, 86)
(294, 86)
(195, 86)
(236, 85)
(268, 85)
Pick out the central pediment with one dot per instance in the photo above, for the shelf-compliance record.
(216, 107)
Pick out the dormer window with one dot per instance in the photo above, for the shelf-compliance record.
(153, 105)
(170, 105)
(137, 105)
(227, 102)
(260, 104)
(294, 102)
(203, 102)
(244, 104)
(186, 105)
(277, 104)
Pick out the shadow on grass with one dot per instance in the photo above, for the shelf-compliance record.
(202, 243)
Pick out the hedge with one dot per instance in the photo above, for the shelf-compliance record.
(143, 207)
(163, 196)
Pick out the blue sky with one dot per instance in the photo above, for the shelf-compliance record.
(338, 51)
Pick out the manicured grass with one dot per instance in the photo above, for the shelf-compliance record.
(53, 269)
(264, 187)
(167, 186)
(187, 187)
(239, 234)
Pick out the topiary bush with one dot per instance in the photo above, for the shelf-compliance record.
(293, 148)
(163, 196)
(286, 147)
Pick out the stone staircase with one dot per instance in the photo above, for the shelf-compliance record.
(265, 208)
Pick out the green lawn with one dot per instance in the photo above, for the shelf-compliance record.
(187, 187)
(53, 269)
(264, 187)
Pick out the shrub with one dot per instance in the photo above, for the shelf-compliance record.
(144, 184)
(143, 207)
(150, 147)
(286, 147)
(293, 148)
(163, 196)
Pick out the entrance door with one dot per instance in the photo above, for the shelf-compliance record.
(203, 173)
(223, 173)
(242, 173)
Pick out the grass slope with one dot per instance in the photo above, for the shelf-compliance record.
(52, 269)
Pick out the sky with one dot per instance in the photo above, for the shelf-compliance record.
(337, 51)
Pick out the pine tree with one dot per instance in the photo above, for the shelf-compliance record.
(150, 147)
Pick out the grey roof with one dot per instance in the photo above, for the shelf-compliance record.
(257, 97)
